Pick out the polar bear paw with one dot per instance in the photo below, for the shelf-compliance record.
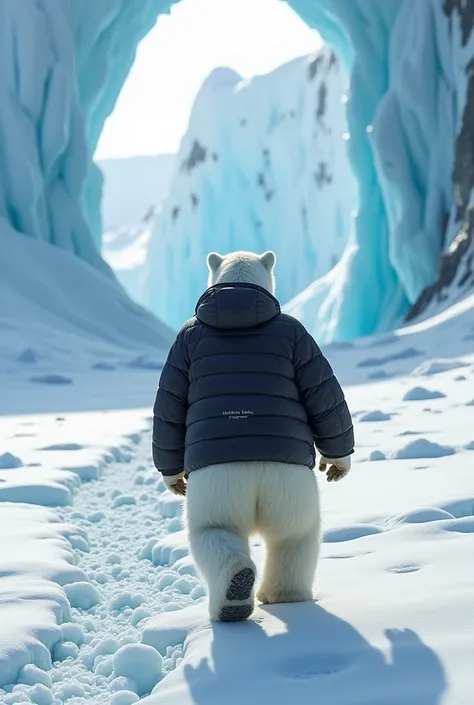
(269, 596)
(239, 601)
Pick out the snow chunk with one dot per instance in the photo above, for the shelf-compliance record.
(105, 647)
(170, 549)
(9, 462)
(95, 517)
(79, 543)
(379, 361)
(82, 595)
(175, 525)
(139, 614)
(170, 505)
(123, 500)
(166, 579)
(377, 455)
(422, 394)
(31, 675)
(69, 689)
(63, 446)
(140, 662)
(41, 695)
(422, 448)
(29, 356)
(64, 650)
(122, 683)
(124, 697)
(104, 666)
(184, 586)
(73, 632)
(434, 367)
(146, 551)
(114, 558)
(51, 379)
(126, 599)
(375, 416)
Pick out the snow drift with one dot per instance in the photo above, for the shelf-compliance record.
(53, 305)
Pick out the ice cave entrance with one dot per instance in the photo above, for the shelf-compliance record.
(228, 134)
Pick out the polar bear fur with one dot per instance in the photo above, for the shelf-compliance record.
(228, 503)
(245, 267)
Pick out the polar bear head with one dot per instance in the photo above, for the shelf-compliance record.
(245, 267)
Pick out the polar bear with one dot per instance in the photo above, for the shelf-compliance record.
(243, 399)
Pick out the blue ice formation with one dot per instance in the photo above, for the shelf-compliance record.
(63, 65)
(263, 165)
(402, 118)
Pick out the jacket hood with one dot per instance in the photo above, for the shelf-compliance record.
(236, 306)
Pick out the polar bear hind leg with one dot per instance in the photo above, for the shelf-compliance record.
(289, 522)
(221, 508)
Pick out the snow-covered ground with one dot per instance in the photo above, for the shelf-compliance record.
(100, 601)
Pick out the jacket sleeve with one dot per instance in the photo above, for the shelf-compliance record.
(323, 399)
(169, 412)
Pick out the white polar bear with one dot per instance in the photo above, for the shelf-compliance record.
(228, 503)
(242, 398)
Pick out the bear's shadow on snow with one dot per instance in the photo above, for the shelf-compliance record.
(311, 656)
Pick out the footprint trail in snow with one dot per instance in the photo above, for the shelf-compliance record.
(121, 515)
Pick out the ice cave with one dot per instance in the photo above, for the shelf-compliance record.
(408, 140)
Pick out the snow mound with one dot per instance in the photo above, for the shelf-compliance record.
(55, 301)
(167, 551)
(82, 595)
(374, 416)
(36, 558)
(423, 448)
(350, 533)
(141, 663)
(170, 505)
(9, 461)
(124, 697)
(422, 394)
(434, 367)
(406, 354)
(377, 455)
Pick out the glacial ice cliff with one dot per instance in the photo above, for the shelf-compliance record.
(63, 66)
(411, 141)
(263, 165)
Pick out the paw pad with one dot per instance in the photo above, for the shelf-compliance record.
(235, 613)
(241, 585)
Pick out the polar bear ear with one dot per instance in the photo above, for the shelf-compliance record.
(214, 261)
(268, 259)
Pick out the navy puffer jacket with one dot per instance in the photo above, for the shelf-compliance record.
(242, 382)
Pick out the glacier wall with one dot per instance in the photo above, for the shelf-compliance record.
(410, 63)
(263, 165)
(63, 66)
(409, 115)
